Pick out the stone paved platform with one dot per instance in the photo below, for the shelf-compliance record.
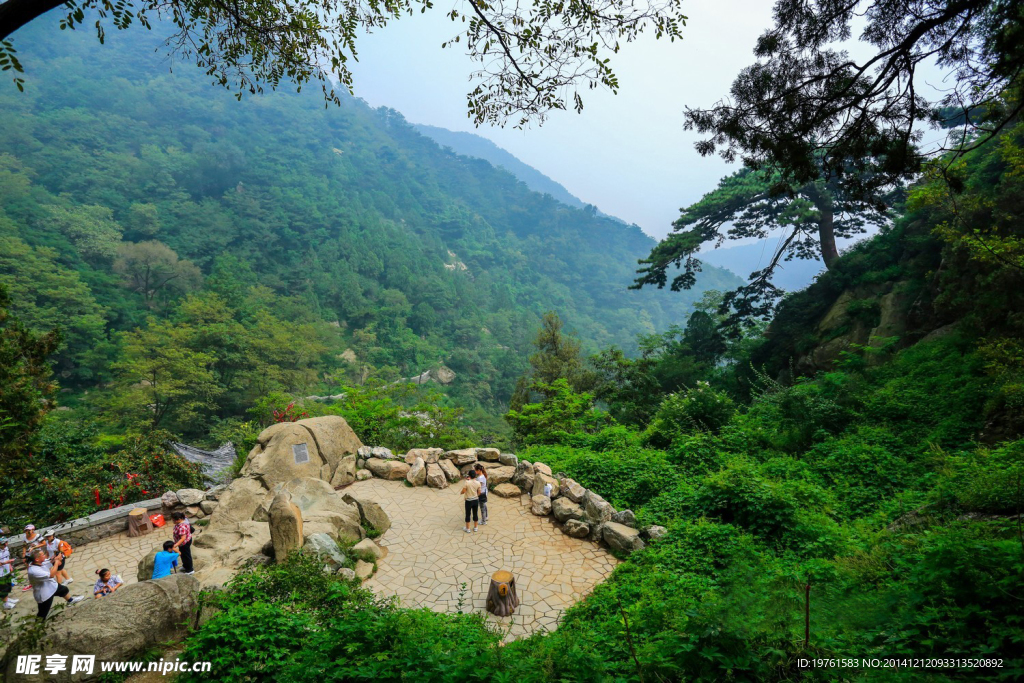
(429, 556)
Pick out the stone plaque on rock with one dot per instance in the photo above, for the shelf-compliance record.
(301, 453)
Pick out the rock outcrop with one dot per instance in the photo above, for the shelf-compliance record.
(370, 512)
(564, 509)
(540, 505)
(285, 526)
(313, 447)
(506, 491)
(436, 478)
(120, 627)
(621, 537)
(576, 528)
(417, 474)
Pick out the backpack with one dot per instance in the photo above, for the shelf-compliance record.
(65, 548)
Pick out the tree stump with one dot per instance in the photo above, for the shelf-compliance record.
(138, 522)
(501, 596)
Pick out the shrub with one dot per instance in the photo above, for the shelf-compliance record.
(698, 409)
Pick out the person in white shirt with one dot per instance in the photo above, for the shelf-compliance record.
(32, 541)
(6, 575)
(42, 577)
(52, 544)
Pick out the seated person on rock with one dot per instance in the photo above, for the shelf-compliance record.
(165, 560)
(106, 584)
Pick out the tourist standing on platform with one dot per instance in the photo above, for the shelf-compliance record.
(471, 494)
(6, 575)
(182, 536)
(55, 546)
(481, 476)
(33, 541)
(42, 577)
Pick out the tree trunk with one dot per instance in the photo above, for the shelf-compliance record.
(822, 200)
(827, 237)
(16, 13)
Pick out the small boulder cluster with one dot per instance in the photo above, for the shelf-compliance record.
(435, 467)
(581, 513)
(196, 504)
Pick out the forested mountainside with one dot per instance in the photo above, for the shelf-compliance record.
(133, 198)
(471, 145)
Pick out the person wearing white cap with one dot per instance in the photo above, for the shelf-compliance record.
(33, 540)
(42, 576)
(53, 547)
(6, 575)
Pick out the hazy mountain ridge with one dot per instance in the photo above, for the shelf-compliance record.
(472, 145)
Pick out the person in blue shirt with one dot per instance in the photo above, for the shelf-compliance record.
(165, 560)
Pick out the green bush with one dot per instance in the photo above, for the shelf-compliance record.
(986, 480)
(701, 408)
(626, 479)
(292, 622)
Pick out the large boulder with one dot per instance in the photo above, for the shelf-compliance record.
(328, 550)
(363, 475)
(308, 448)
(451, 472)
(625, 517)
(284, 451)
(436, 478)
(135, 619)
(285, 526)
(387, 469)
(345, 473)
(541, 468)
(370, 512)
(508, 459)
(417, 474)
(488, 454)
(462, 457)
(564, 509)
(654, 532)
(540, 505)
(499, 475)
(230, 546)
(364, 570)
(169, 500)
(429, 455)
(240, 501)
(334, 438)
(524, 475)
(324, 510)
(576, 528)
(190, 496)
(597, 508)
(572, 490)
(622, 537)
(506, 491)
(539, 482)
(367, 550)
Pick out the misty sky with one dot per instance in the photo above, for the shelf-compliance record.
(628, 153)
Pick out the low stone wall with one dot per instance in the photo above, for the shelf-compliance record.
(92, 528)
(106, 523)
